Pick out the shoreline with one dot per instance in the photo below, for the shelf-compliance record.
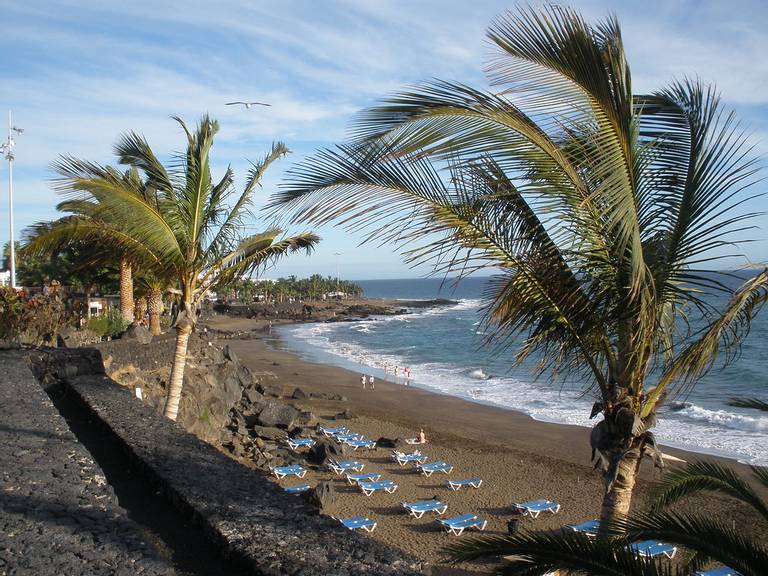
(518, 457)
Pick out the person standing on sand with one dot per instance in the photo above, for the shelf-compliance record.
(362, 380)
(370, 381)
(396, 368)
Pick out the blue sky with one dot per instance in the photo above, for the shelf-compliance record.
(77, 74)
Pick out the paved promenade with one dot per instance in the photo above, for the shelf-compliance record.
(58, 516)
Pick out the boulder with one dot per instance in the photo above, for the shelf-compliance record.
(323, 450)
(268, 433)
(384, 442)
(306, 419)
(277, 414)
(299, 394)
(69, 337)
(230, 355)
(322, 496)
(137, 333)
(346, 415)
(253, 395)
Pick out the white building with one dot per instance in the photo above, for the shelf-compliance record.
(5, 278)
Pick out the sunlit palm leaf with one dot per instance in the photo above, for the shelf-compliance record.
(705, 476)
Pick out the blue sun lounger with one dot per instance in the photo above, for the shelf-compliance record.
(334, 431)
(369, 488)
(345, 466)
(298, 489)
(588, 528)
(344, 438)
(402, 458)
(652, 548)
(458, 524)
(369, 477)
(296, 443)
(283, 471)
(439, 466)
(419, 508)
(536, 507)
(722, 571)
(357, 522)
(362, 443)
(457, 484)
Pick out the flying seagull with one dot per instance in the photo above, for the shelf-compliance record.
(247, 104)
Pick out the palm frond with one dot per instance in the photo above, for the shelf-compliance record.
(704, 476)
(538, 553)
(753, 403)
(723, 335)
(709, 539)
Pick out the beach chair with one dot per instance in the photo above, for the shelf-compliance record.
(403, 458)
(358, 522)
(333, 431)
(345, 466)
(722, 571)
(296, 443)
(362, 443)
(652, 548)
(344, 438)
(536, 507)
(369, 488)
(588, 528)
(419, 508)
(438, 466)
(457, 484)
(458, 524)
(298, 489)
(283, 471)
(369, 477)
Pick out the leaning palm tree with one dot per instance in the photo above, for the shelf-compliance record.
(708, 540)
(185, 227)
(600, 211)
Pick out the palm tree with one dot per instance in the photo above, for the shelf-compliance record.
(81, 224)
(599, 210)
(185, 226)
(708, 540)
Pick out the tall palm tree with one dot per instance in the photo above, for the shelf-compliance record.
(599, 210)
(709, 541)
(185, 227)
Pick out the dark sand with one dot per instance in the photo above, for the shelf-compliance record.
(518, 458)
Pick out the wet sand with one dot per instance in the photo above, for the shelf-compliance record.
(518, 458)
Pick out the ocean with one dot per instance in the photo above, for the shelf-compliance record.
(443, 349)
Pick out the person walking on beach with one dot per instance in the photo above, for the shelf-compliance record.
(370, 381)
(362, 380)
(406, 375)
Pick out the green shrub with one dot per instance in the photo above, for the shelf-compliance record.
(111, 324)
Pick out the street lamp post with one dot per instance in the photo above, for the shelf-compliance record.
(7, 149)
(337, 254)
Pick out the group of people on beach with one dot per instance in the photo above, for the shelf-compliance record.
(370, 381)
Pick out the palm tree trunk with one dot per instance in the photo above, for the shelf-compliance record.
(155, 305)
(140, 308)
(176, 382)
(617, 500)
(126, 290)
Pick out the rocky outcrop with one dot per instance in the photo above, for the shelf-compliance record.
(138, 334)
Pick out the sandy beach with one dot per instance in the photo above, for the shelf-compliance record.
(518, 458)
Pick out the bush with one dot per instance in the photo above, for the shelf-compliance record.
(11, 314)
(33, 320)
(111, 324)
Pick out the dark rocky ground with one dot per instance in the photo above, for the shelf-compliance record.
(58, 515)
